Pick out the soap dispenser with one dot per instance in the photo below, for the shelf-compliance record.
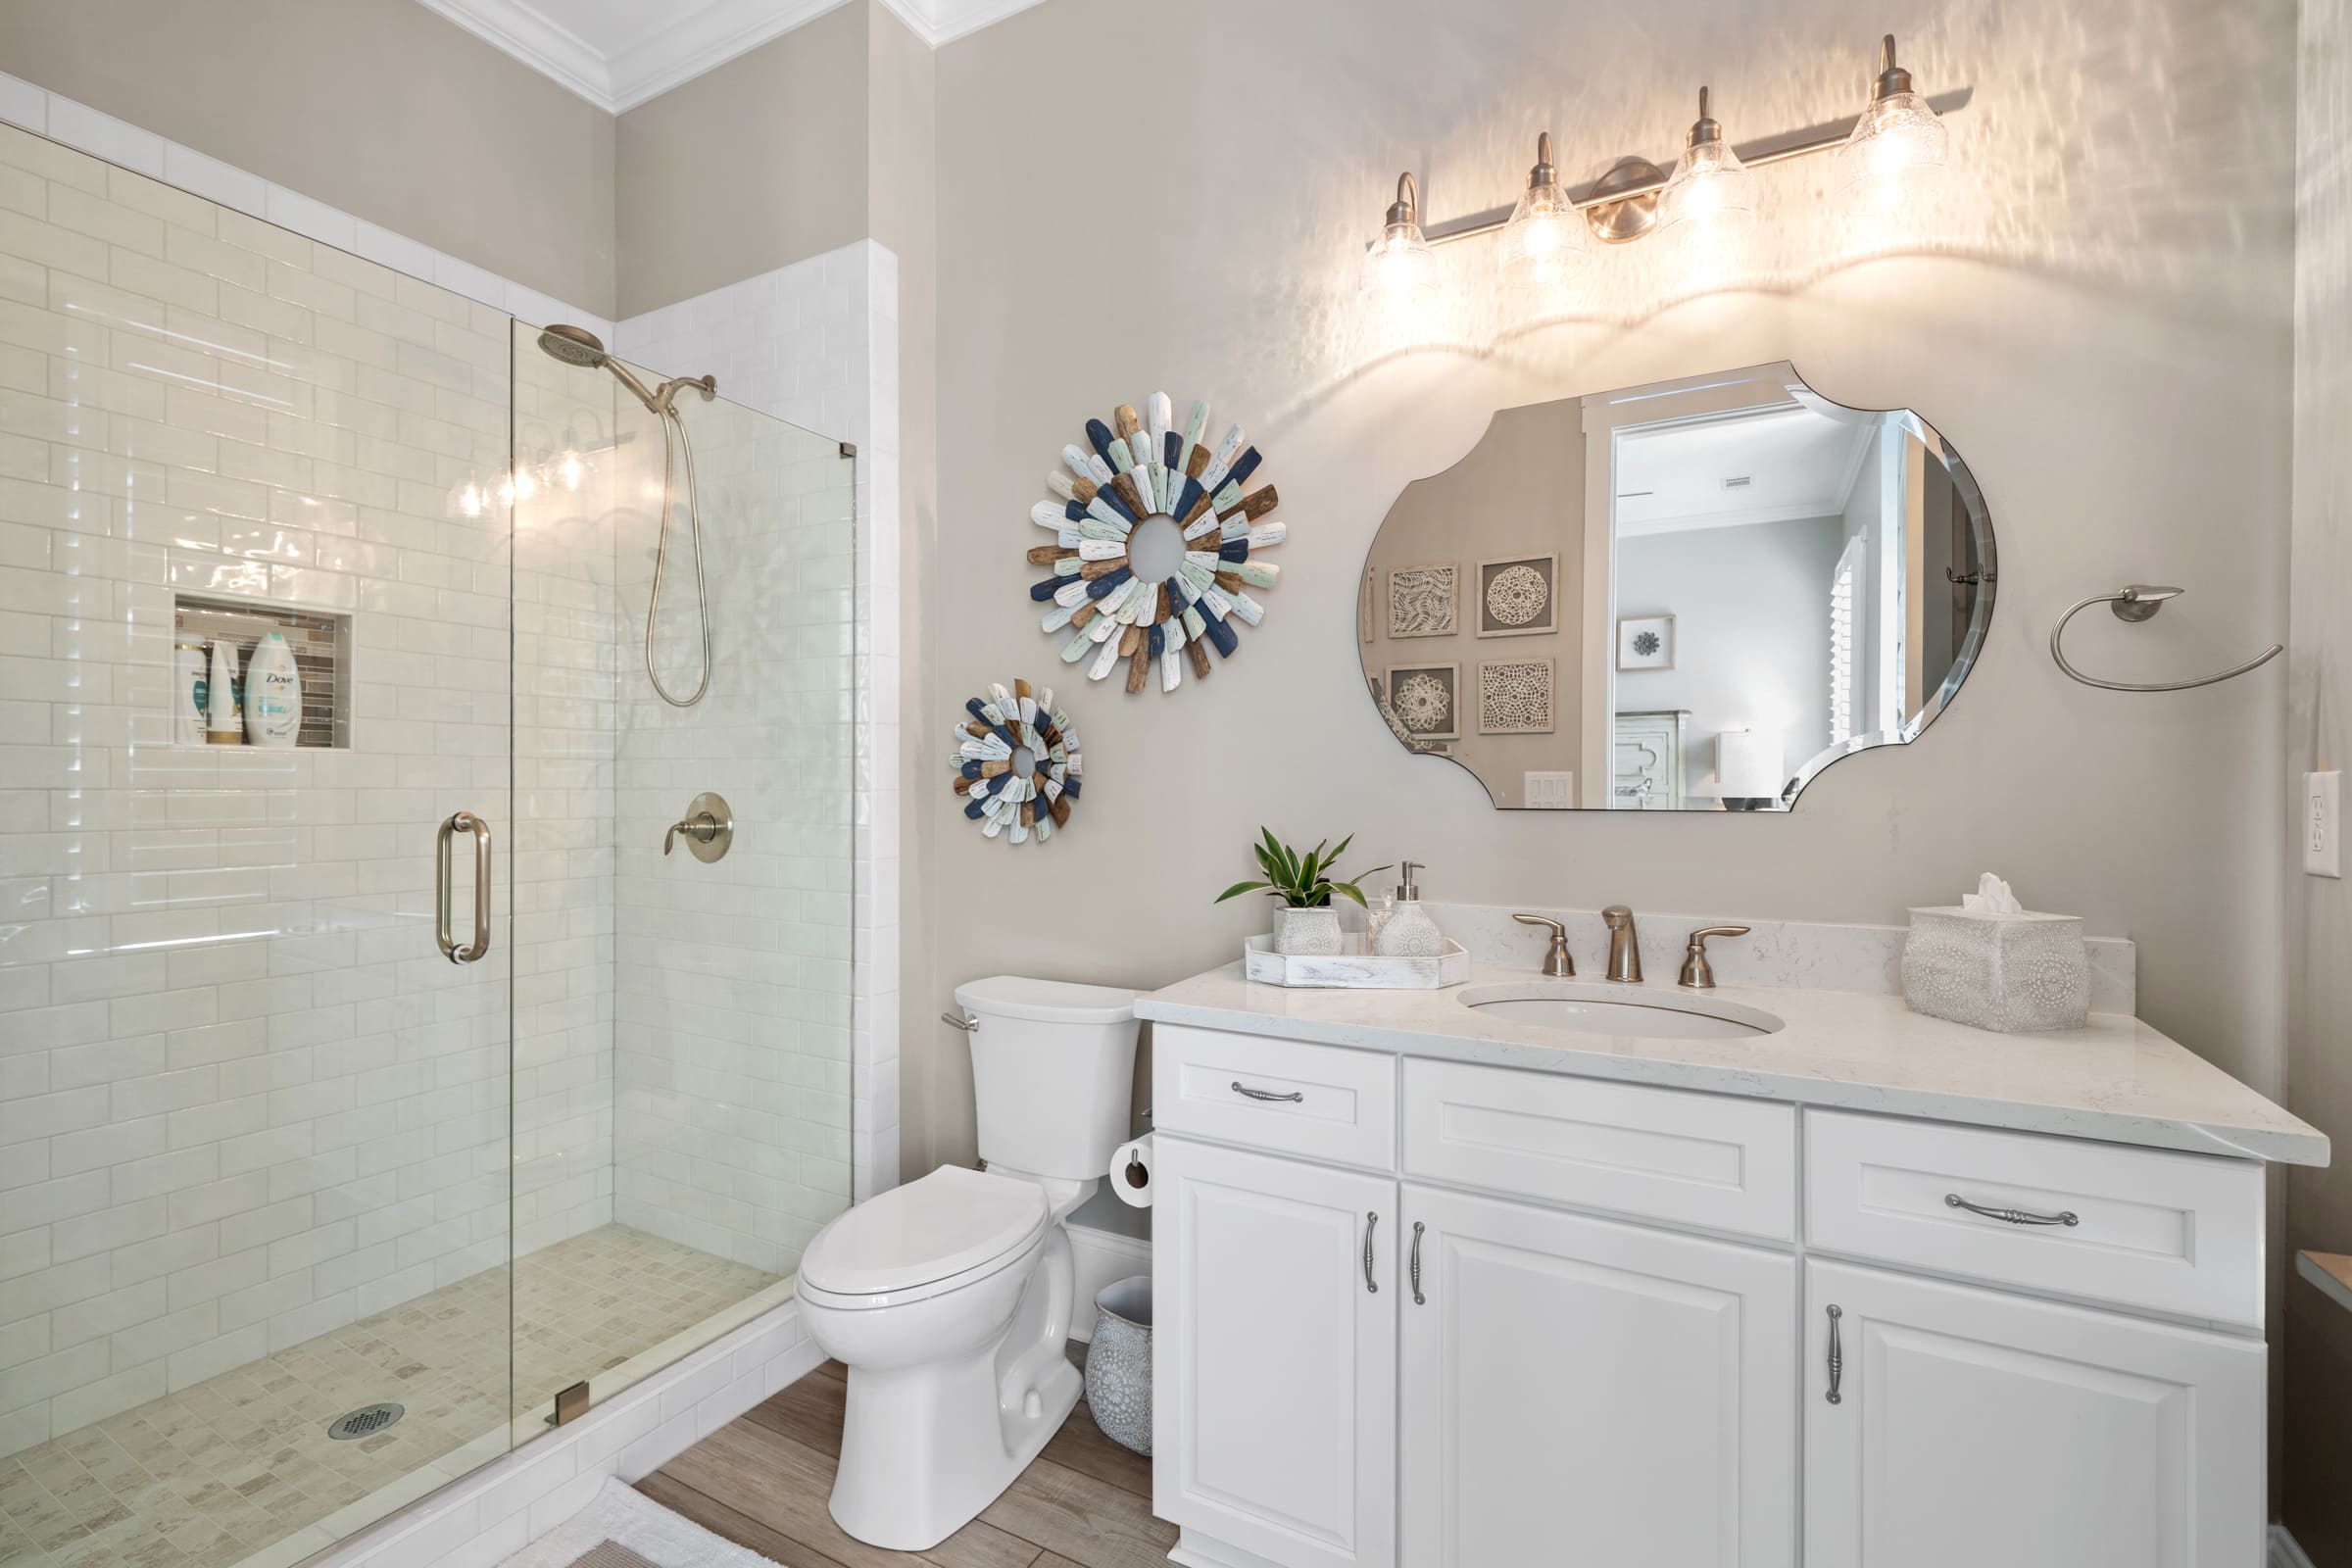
(1409, 932)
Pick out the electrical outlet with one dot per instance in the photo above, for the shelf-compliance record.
(1549, 791)
(2322, 824)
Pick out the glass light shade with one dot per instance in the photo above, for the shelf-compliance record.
(1897, 151)
(1399, 269)
(1543, 239)
(1710, 189)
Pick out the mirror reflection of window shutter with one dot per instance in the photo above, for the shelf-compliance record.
(1843, 642)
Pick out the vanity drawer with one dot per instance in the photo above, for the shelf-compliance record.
(1709, 1160)
(1322, 1101)
(2152, 1229)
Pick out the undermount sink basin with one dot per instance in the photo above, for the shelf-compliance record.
(1607, 1008)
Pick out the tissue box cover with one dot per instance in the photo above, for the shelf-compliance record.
(2015, 973)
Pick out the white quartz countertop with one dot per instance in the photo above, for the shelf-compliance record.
(2118, 1080)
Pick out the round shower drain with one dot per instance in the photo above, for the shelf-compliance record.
(365, 1422)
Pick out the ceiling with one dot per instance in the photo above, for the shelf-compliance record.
(618, 53)
(1798, 464)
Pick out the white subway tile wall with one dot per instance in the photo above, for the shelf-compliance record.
(245, 1102)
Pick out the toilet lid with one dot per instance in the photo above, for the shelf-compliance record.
(948, 1222)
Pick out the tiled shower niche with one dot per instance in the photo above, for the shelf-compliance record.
(322, 645)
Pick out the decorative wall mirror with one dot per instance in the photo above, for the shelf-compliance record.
(1688, 596)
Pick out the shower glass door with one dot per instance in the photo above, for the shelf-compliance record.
(359, 1096)
(254, 1143)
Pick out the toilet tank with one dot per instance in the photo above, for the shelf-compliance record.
(1053, 1072)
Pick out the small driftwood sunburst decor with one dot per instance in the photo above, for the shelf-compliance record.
(1016, 764)
(1155, 545)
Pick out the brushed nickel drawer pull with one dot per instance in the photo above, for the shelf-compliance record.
(1371, 1284)
(1837, 1357)
(2012, 1216)
(1418, 1228)
(1295, 1097)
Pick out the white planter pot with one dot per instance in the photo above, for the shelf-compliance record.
(1306, 933)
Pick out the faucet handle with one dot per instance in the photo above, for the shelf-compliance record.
(1557, 965)
(1617, 914)
(1697, 973)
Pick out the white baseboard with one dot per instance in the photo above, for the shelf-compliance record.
(2285, 1552)
(1098, 1259)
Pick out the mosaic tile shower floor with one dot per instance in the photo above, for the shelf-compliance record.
(230, 1468)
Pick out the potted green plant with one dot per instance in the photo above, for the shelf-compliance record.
(1302, 886)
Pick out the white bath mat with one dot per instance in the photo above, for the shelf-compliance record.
(620, 1516)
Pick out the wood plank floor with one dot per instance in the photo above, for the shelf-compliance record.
(761, 1482)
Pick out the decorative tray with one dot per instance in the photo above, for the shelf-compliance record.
(1357, 969)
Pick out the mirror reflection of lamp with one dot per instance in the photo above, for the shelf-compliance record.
(1748, 771)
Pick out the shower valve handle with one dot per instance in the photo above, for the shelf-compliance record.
(703, 827)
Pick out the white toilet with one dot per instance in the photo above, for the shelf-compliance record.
(949, 1298)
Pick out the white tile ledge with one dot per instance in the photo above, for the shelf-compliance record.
(85, 130)
(512, 1500)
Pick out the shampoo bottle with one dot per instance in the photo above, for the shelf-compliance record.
(272, 694)
(223, 718)
(1409, 932)
(189, 693)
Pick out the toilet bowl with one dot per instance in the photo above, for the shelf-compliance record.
(949, 1299)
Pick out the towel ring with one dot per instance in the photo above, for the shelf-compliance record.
(2136, 602)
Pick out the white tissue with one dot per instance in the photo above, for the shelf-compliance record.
(1133, 1176)
(1993, 897)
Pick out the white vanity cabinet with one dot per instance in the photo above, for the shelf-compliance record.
(1974, 1427)
(1446, 1315)
(1577, 1391)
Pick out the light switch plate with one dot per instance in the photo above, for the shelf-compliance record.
(1549, 791)
(2322, 824)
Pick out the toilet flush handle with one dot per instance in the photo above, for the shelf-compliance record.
(970, 1026)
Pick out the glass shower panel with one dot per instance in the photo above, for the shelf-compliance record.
(254, 1123)
(712, 1075)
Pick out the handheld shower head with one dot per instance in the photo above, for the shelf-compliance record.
(576, 345)
(573, 345)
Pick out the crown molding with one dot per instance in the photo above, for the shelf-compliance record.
(677, 52)
(522, 33)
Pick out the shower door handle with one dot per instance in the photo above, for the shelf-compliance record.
(480, 830)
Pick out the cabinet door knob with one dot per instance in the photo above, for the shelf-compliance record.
(1418, 1227)
(1371, 1284)
(1837, 1357)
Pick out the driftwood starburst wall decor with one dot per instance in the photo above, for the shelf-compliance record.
(1156, 545)
(1017, 767)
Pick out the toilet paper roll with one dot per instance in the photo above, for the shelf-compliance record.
(1132, 1175)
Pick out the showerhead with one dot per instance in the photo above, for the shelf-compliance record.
(576, 345)
(573, 345)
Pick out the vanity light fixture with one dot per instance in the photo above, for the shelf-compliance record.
(1542, 239)
(1883, 156)
(1710, 189)
(1399, 269)
(1896, 144)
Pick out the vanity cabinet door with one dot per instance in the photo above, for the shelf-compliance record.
(1579, 1391)
(1974, 1428)
(1274, 1382)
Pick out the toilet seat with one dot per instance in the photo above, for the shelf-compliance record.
(934, 1235)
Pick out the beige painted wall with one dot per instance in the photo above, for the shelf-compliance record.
(378, 107)
(746, 168)
(2316, 1355)
(2102, 326)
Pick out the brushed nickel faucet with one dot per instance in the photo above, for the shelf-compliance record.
(1625, 946)
(1557, 965)
(1697, 973)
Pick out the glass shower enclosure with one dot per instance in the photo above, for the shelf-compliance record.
(359, 1095)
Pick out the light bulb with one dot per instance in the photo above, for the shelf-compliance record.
(1399, 269)
(1710, 189)
(1897, 149)
(572, 470)
(1545, 238)
(471, 500)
